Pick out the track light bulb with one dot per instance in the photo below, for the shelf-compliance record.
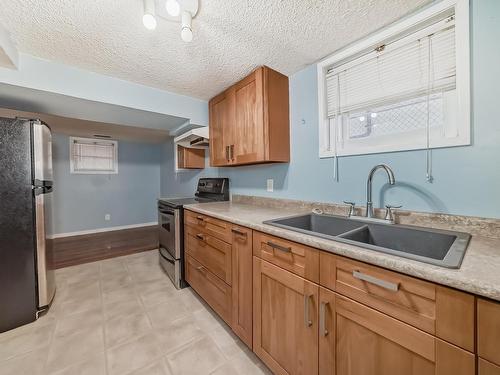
(149, 21)
(186, 30)
(149, 18)
(173, 7)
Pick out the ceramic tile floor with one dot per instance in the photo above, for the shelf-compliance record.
(123, 316)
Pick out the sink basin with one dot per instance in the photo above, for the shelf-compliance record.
(322, 225)
(434, 246)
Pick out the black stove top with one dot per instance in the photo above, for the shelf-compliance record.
(208, 190)
(179, 202)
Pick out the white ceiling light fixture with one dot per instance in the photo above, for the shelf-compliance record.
(149, 17)
(179, 11)
(173, 8)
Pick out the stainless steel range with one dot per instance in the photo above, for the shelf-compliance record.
(171, 224)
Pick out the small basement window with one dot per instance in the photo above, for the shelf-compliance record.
(92, 156)
(403, 88)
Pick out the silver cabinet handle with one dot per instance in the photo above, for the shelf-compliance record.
(200, 218)
(279, 247)
(394, 287)
(307, 322)
(200, 236)
(322, 319)
(238, 232)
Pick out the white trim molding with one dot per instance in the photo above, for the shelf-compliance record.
(102, 230)
(327, 131)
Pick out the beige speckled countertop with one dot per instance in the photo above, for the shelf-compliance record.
(478, 274)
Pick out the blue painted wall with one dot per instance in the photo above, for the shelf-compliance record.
(81, 201)
(466, 179)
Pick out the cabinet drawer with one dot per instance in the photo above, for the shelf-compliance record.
(488, 330)
(299, 259)
(215, 227)
(211, 252)
(440, 311)
(212, 289)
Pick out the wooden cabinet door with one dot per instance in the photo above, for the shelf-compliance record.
(488, 330)
(285, 313)
(221, 110)
(249, 138)
(487, 368)
(242, 283)
(355, 339)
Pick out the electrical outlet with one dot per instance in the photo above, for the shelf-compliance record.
(270, 185)
(107, 217)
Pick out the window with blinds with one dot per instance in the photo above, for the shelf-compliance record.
(92, 156)
(410, 92)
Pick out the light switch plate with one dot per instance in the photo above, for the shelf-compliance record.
(107, 217)
(270, 185)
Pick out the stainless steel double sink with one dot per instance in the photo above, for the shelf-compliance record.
(434, 246)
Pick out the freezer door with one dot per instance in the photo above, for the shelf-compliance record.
(44, 248)
(42, 153)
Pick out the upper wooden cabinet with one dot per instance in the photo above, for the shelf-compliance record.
(249, 122)
(190, 158)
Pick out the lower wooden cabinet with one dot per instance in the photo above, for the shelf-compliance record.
(487, 368)
(341, 325)
(355, 339)
(211, 288)
(488, 330)
(285, 313)
(242, 283)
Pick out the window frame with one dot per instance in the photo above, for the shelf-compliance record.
(84, 139)
(328, 127)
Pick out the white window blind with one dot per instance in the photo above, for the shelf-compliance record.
(416, 65)
(93, 156)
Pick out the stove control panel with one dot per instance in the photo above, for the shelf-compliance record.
(213, 187)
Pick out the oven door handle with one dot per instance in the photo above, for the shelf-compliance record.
(167, 212)
(172, 261)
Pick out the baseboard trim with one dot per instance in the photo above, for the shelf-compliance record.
(102, 230)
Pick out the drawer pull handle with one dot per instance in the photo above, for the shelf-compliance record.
(200, 236)
(279, 247)
(322, 319)
(307, 321)
(238, 232)
(199, 268)
(394, 287)
(200, 218)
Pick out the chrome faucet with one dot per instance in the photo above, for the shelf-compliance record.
(390, 175)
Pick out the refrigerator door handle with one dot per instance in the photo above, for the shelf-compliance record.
(42, 190)
(42, 183)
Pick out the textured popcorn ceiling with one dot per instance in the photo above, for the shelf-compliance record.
(231, 37)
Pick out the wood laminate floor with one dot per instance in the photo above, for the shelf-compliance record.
(123, 316)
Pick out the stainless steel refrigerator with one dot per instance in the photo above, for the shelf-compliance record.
(27, 283)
